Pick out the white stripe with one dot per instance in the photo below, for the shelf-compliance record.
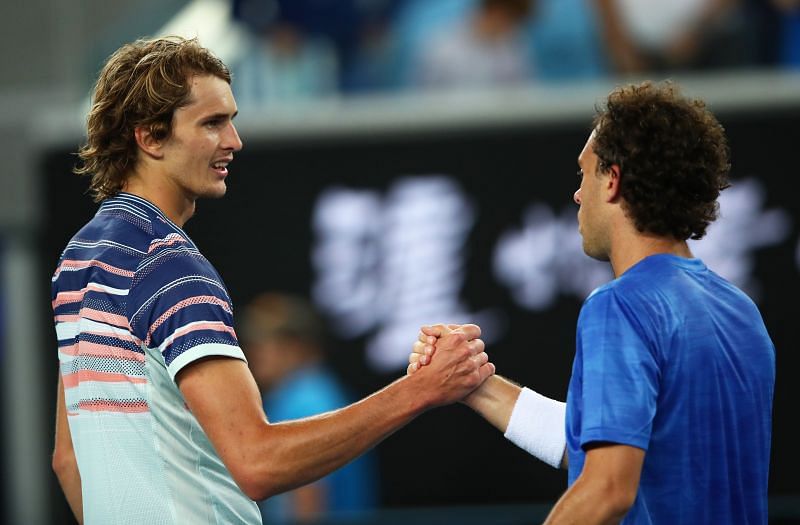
(88, 266)
(69, 330)
(109, 289)
(88, 325)
(64, 359)
(124, 207)
(174, 284)
(201, 351)
(136, 200)
(87, 244)
(142, 202)
(178, 249)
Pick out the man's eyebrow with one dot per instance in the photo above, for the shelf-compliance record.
(215, 116)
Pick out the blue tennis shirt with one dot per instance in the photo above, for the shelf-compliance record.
(673, 359)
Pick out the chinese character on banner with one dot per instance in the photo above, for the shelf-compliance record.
(385, 264)
(544, 259)
(742, 228)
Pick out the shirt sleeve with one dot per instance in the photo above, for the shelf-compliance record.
(179, 305)
(620, 372)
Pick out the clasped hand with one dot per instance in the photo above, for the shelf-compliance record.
(460, 344)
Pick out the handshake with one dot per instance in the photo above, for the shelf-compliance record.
(451, 360)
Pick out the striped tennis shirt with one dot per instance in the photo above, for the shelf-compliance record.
(134, 302)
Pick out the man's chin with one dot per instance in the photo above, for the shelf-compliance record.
(595, 253)
(215, 192)
(599, 257)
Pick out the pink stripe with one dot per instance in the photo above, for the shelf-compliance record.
(200, 299)
(74, 297)
(120, 321)
(217, 326)
(69, 350)
(67, 318)
(78, 265)
(97, 350)
(168, 241)
(74, 379)
(108, 405)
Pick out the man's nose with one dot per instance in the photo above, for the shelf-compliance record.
(232, 140)
(577, 196)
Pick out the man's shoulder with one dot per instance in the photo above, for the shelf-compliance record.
(172, 261)
(633, 294)
(648, 277)
(171, 250)
(105, 242)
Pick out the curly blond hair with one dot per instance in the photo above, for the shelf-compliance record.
(140, 85)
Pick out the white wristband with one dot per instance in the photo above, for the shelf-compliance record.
(537, 425)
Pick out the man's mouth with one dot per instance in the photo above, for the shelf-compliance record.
(221, 166)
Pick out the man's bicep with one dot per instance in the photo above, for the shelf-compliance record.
(619, 464)
(620, 373)
(222, 395)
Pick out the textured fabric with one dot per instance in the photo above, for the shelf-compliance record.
(354, 487)
(134, 302)
(676, 361)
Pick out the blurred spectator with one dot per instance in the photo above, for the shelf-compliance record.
(565, 40)
(561, 37)
(790, 32)
(647, 35)
(484, 49)
(340, 23)
(283, 65)
(284, 343)
(413, 26)
(372, 68)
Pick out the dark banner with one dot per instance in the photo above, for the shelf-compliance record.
(385, 233)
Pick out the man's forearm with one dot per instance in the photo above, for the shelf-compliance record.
(531, 421)
(294, 453)
(266, 459)
(65, 464)
(70, 480)
(494, 400)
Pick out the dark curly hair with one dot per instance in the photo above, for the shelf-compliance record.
(672, 154)
(141, 84)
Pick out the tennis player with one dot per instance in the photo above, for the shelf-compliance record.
(159, 420)
(668, 414)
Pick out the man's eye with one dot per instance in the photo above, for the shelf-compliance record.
(580, 174)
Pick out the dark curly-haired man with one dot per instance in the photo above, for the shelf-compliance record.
(669, 409)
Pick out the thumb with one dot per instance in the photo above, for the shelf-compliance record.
(437, 330)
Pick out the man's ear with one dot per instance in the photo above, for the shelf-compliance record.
(148, 143)
(613, 182)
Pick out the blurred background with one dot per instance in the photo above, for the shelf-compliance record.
(405, 162)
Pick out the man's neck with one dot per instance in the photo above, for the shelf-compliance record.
(630, 247)
(172, 203)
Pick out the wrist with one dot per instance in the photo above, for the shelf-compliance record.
(537, 425)
(415, 389)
